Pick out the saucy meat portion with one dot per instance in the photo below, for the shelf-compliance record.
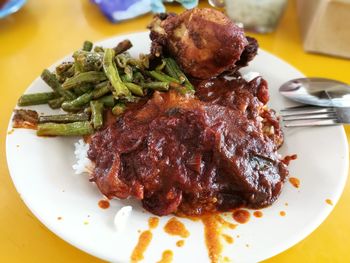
(192, 155)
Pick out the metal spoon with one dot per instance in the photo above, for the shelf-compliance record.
(217, 3)
(317, 91)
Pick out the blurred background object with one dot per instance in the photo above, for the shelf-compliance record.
(325, 26)
(118, 10)
(8, 7)
(260, 16)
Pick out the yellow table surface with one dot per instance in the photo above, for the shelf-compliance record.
(44, 31)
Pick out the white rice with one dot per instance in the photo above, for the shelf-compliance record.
(121, 218)
(84, 165)
(248, 77)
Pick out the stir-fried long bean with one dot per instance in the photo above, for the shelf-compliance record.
(96, 114)
(36, 98)
(84, 77)
(75, 105)
(87, 45)
(67, 129)
(53, 82)
(64, 118)
(109, 67)
(100, 79)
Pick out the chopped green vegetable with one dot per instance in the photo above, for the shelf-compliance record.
(118, 109)
(36, 98)
(56, 103)
(108, 101)
(67, 129)
(78, 103)
(84, 77)
(87, 45)
(53, 82)
(64, 118)
(109, 67)
(134, 88)
(161, 86)
(96, 114)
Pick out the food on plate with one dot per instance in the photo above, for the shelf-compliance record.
(179, 129)
(204, 42)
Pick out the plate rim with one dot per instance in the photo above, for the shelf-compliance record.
(316, 222)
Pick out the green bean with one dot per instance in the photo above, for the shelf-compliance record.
(129, 73)
(161, 66)
(67, 129)
(87, 61)
(122, 60)
(64, 118)
(36, 98)
(87, 45)
(172, 68)
(84, 88)
(138, 77)
(56, 103)
(78, 103)
(98, 49)
(161, 86)
(84, 77)
(108, 101)
(134, 88)
(122, 46)
(162, 77)
(109, 67)
(96, 114)
(64, 70)
(97, 93)
(53, 82)
(118, 109)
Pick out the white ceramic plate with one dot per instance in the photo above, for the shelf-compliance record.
(41, 169)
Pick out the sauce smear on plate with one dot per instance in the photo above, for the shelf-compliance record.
(167, 257)
(104, 204)
(142, 244)
(241, 216)
(176, 228)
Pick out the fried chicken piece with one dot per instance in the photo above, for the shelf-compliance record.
(204, 42)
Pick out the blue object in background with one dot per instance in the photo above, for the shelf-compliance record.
(118, 10)
(11, 6)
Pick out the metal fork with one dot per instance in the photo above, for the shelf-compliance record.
(302, 116)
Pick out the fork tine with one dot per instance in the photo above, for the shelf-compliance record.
(305, 110)
(313, 116)
(306, 123)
